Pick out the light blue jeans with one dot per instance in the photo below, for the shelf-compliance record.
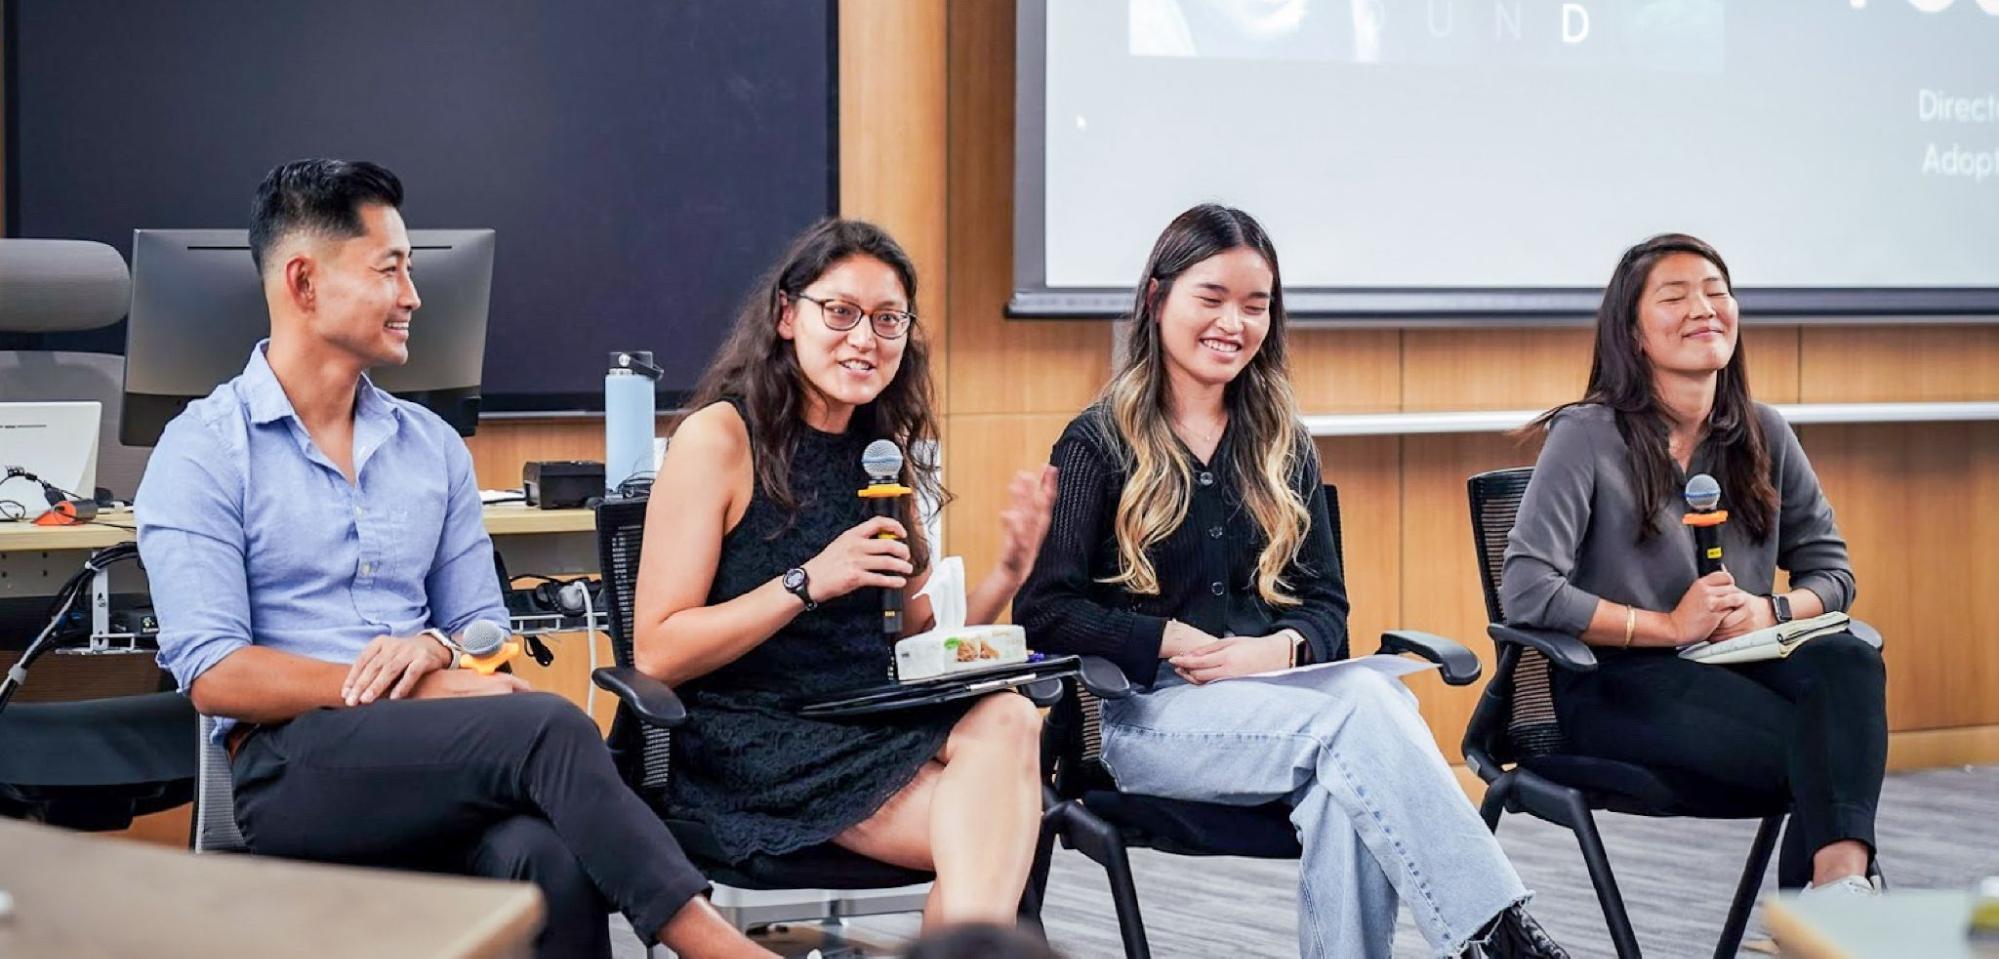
(1376, 808)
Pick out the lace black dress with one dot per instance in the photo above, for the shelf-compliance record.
(763, 779)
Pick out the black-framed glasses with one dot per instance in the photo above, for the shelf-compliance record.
(843, 316)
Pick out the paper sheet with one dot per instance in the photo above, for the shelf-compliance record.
(1319, 674)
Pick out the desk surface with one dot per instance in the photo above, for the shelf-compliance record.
(1931, 923)
(82, 896)
(502, 519)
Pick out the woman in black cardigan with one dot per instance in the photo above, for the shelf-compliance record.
(1191, 545)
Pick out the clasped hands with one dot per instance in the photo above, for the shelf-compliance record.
(1203, 658)
(416, 667)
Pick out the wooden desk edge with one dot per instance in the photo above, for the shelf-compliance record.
(1794, 936)
(502, 519)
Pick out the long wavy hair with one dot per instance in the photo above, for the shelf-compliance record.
(759, 369)
(1620, 377)
(1263, 417)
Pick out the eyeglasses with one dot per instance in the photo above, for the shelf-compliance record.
(843, 316)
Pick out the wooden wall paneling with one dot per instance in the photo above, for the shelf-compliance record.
(1493, 369)
(981, 454)
(1772, 353)
(893, 147)
(501, 446)
(1368, 472)
(1000, 365)
(1915, 504)
(1884, 364)
(1440, 579)
(1346, 371)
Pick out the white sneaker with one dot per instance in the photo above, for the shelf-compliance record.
(1849, 887)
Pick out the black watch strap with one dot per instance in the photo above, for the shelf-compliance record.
(798, 584)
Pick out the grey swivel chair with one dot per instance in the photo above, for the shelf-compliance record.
(65, 286)
(89, 763)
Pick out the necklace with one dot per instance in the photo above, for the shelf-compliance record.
(1205, 437)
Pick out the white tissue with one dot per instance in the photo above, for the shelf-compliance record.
(946, 589)
(941, 649)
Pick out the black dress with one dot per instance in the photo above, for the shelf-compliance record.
(763, 779)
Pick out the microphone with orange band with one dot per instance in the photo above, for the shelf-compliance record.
(1703, 495)
(883, 462)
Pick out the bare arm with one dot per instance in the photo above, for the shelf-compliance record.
(1023, 526)
(263, 685)
(704, 486)
(1706, 604)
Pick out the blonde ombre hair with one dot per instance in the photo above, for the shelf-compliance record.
(1263, 417)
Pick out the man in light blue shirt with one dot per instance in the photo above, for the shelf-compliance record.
(315, 543)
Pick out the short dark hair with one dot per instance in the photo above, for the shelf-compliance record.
(317, 196)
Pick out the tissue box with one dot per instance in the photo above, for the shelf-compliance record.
(942, 651)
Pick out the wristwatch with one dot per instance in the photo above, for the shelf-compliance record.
(451, 647)
(798, 584)
(1780, 606)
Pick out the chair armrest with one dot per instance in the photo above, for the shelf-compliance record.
(649, 699)
(1460, 665)
(1045, 692)
(1103, 679)
(1865, 632)
(1565, 651)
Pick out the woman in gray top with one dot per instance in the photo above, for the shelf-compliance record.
(1599, 550)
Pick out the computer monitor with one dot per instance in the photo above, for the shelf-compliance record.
(198, 308)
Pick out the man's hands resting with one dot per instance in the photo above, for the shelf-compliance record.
(414, 667)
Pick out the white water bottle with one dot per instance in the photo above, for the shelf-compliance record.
(628, 418)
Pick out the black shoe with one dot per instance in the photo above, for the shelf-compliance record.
(1514, 934)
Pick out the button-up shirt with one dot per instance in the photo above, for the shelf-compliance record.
(250, 534)
(1206, 566)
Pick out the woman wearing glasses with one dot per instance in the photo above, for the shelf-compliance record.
(761, 578)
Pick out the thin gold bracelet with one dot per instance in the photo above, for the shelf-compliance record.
(1630, 624)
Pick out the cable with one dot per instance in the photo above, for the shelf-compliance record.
(590, 625)
(65, 600)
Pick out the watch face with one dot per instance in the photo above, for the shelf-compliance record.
(794, 578)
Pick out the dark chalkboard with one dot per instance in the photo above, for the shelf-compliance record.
(642, 161)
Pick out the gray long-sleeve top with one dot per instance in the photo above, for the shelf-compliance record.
(1576, 539)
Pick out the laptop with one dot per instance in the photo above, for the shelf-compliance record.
(55, 441)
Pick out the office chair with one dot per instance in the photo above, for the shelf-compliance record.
(820, 883)
(94, 763)
(1515, 745)
(1103, 823)
(68, 286)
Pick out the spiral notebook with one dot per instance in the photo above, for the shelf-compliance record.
(1774, 642)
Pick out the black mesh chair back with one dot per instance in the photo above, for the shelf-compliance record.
(1524, 690)
(642, 750)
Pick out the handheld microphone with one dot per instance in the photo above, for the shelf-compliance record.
(1703, 495)
(487, 646)
(883, 462)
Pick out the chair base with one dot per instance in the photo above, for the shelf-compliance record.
(1521, 790)
(750, 908)
(1085, 832)
(832, 938)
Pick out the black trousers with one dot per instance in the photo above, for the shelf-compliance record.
(1813, 726)
(513, 787)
